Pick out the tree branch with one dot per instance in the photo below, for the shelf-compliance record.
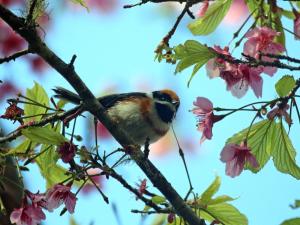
(14, 56)
(91, 104)
(53, 118)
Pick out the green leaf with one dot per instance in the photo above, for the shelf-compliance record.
(296, 204)
(72, 221)
(155, 199)
(22, 148)
(212, 18)
(294, 221)
(284, 153)
(279, 27)
(211, 190)
(50, 170)
(259, 140)
(61, 103)
(81, 2)
(288, 14)
(38, 94)
(285, 85)
(47, 164)
(158, 199)
(225, 213)
(159, 219)
(190, 53)
(254, 6)
(146, 208)
(43, 135)
(220, 199)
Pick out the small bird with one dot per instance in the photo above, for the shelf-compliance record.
(142, 115)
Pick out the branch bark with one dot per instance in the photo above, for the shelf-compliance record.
(91, 104)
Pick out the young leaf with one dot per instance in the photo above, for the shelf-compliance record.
(81, 2)
(221, 199)
(225, 213)
(38, 94)
(283, 152)
(211, 190)
(288, 14)
(158, 199)
(190, 53)
(294, 221)
(212, 18)
(279, 27)
(259, 140)
(285, 85)
(47, 164)
(61, 103)
(296, 204)
(72, 221)
(43, 135)
(50, 170)
(22, 148)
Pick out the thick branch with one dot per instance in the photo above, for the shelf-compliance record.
(91, 104)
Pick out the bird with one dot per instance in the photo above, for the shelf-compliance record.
(146, 117)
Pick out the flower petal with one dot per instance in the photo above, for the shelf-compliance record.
(204, 104)
(228, 153)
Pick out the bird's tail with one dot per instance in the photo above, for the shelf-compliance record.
(65, 94)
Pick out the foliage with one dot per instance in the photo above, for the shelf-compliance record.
(192, 53)
(212, 18)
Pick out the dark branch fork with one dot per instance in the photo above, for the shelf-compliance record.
(91, 104)
(186, 9)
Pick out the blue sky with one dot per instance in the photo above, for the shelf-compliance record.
(117, 50)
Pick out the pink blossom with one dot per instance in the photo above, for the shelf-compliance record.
(279, 111)
(203, 8)
(204, 110)
(235, 156)
(238, 77)
(251, 76)
(58, 195)
(37, 200)
(261, 40)
(67, 151)
(297, 25)
(27, 215)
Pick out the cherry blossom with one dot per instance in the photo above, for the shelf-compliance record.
(235, 156)
(27, 215)
(58, 195)
(262, 40)
(67, 151)
(279, 111)
(37, 200)
(297, 25)
(204, 110)
(13, 112)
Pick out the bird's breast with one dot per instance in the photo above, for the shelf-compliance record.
(139, 119)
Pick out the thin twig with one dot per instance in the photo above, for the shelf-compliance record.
(185, 165)
(15, 56)
(50, 119)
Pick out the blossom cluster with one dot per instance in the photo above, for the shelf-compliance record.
(31, 211)
(235, 156)
(239, 76)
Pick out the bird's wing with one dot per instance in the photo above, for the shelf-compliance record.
(110, 100)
